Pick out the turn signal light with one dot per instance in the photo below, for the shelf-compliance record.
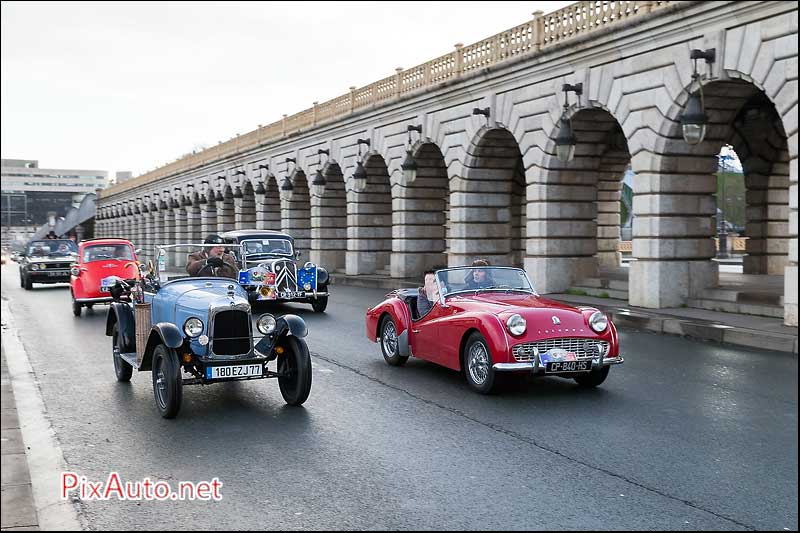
(187, 358)
(279, 350)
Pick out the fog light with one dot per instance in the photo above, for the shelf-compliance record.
(279, 350)
(187, 358)
(203, 340)
(35, 266)
(307, 286)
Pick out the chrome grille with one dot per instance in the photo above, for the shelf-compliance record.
(525, 352)
(285, 275)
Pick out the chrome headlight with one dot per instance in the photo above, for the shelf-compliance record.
(516, 325)
(322, 276)
(75, 271)
(35, 266)
(266, 324)
(598, 321)
(193, 327)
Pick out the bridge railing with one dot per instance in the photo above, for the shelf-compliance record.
(543, 31)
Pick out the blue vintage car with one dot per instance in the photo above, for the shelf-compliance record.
(268, 270)
(198, 330)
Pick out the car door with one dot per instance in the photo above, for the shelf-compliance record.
(424, 335)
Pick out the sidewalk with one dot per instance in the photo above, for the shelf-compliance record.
(18, 510)
(730, 328)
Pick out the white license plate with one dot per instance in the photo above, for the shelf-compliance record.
(557, 367)
(233, 371)
(108, 282)
(55, 274)
(290, 295)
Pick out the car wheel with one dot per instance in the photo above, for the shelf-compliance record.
(294, 364)
(390, 345)
(89, 306)
(76, 307)
(122, 368)
(478, 365)
(593, 378)
(167, 381)
(27, 283)
(319, 304)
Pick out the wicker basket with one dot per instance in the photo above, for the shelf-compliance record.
(142, 315)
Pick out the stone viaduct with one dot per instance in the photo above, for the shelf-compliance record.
(478, 175)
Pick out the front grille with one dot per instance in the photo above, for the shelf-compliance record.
(54, 266)
(285, 275)
(525, 352)
(231, 335)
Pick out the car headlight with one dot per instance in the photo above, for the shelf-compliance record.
(516, 325)
(266, 324)
(307, 286)
(322, 276)
(598, 321)
(193, 327)
(35, 266)
(75, 271)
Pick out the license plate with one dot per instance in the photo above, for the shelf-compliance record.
(233, 371)
(108, 282)
(290, 295)
(555, 367)
(55, 274)
(105, 289)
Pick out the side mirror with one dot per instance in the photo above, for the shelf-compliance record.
(297, 254)
(137, 251)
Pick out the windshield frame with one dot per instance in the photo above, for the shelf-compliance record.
(73, 248)
(243, 242)
(443, 294)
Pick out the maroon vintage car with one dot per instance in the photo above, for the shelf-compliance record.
(486, 320)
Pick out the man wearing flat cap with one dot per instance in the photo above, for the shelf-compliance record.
(212, 260)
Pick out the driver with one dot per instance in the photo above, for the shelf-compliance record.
(479, 278)
(212, 261)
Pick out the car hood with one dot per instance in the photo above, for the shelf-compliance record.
(534, 309)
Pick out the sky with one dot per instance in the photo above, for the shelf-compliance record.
(134, 86)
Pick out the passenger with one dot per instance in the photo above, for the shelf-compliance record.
(428, 295)
(479, 278)
(123, 253)
(212, 261)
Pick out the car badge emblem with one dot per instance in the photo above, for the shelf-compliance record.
(556, 321)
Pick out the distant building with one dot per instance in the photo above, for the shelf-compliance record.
(32, 196)
(123, 176)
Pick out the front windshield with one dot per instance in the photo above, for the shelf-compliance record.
(104, 252)
(474, 279)
(51, 247)
(267, 246)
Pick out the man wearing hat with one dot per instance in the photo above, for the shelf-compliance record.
(212, 261)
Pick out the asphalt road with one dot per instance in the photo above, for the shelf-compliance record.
(685, 435)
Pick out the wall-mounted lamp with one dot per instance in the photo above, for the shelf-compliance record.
(286, 185)
(260, 188)
(486, 112)
(565, 139)
(409, 164)
(693, 119)
(237, 193)
(360, 173)
(318, 182)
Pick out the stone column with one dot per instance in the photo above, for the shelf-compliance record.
(790, 271)
(369, 226)
(194, 230)
(329, 227)
(673, 229)
(168, 234)
(208, 219)
(296, 219)
(225, 215)
(268, 210)
(609, 194)
(245, 212)
(181, 237)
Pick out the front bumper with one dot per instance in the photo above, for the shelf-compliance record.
(301, 296)
(200, 370)
(537, 368)
(48, 276)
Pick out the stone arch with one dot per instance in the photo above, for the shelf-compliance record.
(226, 210)
(329, 219)
(369, 221)
(245, 204)
(296, 211)
(488, 205)
(268, 204)
(419, 215)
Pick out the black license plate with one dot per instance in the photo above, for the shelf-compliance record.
(557, 367)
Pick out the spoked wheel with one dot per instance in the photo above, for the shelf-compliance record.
(390, 345)
(294, 364)
(478, 365)
(122, 368)
(167, 381)
(593, 378)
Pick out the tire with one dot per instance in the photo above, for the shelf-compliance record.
(390, 345)
(27, 284)
(167, 381)
(76, 308)
(89, 306)
(122, 368)
(478, 370)
(593, 378)
(295, 362)
(319, 304)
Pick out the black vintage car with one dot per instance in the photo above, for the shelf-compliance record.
(46, 261)
(267, 269)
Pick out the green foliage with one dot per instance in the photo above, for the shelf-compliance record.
(577, 292)
(734, 197)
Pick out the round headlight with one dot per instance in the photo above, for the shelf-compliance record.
(516, 325)
(322, 276)
(307, 286)
(598, 321)
(35, 266)
(75, 271)
(266, 324)
(193, 327)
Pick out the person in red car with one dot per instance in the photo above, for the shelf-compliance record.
(212, 261)
(479, 278)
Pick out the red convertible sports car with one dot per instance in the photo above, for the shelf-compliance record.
(486, 320)
(99, 264)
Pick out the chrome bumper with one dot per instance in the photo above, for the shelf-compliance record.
(535, 367)
(100, 300)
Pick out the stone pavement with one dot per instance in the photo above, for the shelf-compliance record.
(18, 509)
(731, 328)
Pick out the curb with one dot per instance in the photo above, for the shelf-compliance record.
(695, 328)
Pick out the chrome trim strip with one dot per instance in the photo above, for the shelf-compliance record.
(534, 367)
(94, 300)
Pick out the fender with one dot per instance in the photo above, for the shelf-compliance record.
(487, 324)
(293, 323)
(161, 333)
(119, 312)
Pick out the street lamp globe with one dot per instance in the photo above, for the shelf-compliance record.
(693, 120)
